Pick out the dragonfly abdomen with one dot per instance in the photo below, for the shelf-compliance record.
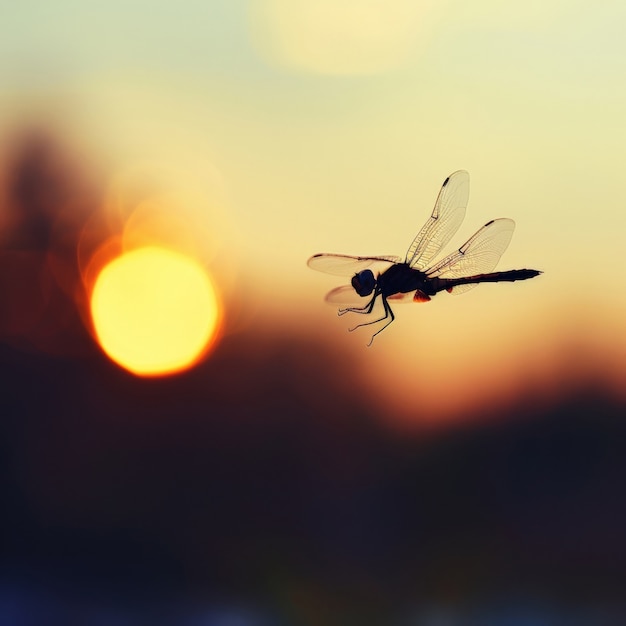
(441, 284)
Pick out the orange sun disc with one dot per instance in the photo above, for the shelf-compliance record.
(154, 311)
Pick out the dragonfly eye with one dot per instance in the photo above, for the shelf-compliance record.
(364, 282)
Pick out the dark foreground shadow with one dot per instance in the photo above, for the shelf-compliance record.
(263, 479)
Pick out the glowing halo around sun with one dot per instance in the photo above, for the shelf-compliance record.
(154, 311)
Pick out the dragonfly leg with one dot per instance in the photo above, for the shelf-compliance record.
(363, 310)
(380, 330)
(388, 313)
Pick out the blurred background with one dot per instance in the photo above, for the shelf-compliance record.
(190, 436)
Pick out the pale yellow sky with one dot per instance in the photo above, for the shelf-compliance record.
(335, 133)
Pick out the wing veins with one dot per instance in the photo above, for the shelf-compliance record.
(445, 220)
(345, 264)
(478, 255)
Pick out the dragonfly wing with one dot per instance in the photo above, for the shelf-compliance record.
(405, 298)
(346, 265)
(345, 295)
(445, 220)
(478, 255)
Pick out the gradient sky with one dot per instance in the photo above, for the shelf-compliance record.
(334, 133)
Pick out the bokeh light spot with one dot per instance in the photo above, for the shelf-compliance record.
(154, 311)
(338, 36)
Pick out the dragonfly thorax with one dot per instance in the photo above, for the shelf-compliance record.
(364, 282)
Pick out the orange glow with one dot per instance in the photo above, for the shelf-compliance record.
(154, 311)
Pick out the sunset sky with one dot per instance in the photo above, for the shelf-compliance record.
(330, 126)
(181, 161)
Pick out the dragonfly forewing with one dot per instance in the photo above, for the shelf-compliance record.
(346, 265)
(443, 223)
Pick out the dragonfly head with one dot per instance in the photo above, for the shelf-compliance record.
(364, 282)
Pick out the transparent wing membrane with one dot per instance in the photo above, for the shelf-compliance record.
(345, 295)
(346, 265)
(405, 298)
(444, 221)
(478, 255)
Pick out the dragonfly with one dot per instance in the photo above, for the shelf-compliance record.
(414, 278)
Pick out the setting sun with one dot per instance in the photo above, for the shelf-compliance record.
(154, 311)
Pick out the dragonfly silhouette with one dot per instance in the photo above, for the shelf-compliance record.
(412, 278)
